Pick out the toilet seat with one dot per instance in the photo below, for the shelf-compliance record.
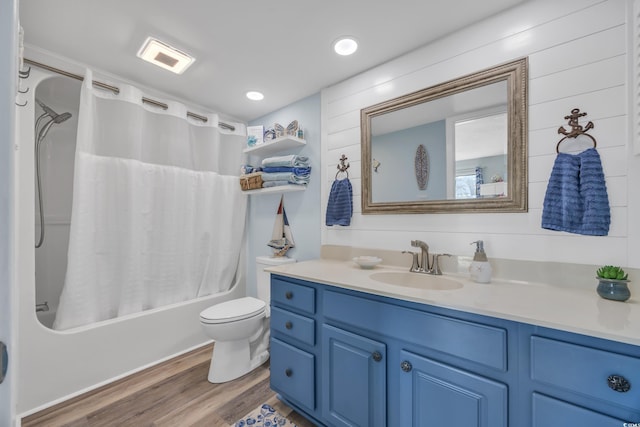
(233, 310)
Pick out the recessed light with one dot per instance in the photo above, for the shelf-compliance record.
(165, 56)
(345, 46)
(255, 96)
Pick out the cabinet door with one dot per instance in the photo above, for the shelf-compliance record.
(292, 373)
(435, 394)
(353, 379)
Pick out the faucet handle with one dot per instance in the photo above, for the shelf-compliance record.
(435, 269)
(414, 265)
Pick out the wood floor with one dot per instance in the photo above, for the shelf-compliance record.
(173, 393)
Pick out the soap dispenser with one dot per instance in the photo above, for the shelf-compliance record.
(480, 269)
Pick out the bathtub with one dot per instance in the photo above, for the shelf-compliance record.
(53, 366)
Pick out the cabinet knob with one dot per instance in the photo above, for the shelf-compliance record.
(406, 366)
(377, 356)
(288, 372)
(618, 383)
(288, 295)
(288, 325)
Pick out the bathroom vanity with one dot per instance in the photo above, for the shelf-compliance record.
(347, 350)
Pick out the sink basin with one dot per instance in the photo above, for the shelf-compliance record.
(415, 280)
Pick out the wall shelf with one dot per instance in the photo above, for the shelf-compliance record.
(278, 189)
(275, 145)
(269, 148)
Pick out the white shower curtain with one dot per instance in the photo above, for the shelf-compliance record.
(157, 215)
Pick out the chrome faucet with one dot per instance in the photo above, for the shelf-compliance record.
(415, 265)
(423, 266)
(435, 266)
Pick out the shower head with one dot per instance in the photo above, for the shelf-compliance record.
(61, 118)
(57, 118)
(46, 109)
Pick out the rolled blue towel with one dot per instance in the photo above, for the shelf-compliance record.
(340, 204)
(294, 170)
(292, 160)
(285, 176)
(576, 200)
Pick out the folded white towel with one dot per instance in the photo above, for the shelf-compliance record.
(292, 160)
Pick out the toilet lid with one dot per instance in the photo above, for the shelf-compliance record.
(233, 310)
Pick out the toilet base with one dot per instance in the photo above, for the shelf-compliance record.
(232, 359)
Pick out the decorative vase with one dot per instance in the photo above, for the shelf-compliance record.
(613, 289)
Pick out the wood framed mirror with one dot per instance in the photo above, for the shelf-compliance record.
(457, 147)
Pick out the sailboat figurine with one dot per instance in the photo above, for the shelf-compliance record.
(281, 237)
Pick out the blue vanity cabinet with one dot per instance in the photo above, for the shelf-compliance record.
(348, 358)
(441, 370)
(353, 379)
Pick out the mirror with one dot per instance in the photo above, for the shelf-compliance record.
(460, 146)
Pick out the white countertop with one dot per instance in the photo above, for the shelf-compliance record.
(569, 309)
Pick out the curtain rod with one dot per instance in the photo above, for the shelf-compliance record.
(116, 90)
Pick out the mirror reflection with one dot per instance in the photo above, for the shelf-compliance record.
(453, 147)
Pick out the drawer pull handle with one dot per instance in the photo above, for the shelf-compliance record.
(618, 383)
(288, 372)
(376, 356)
(406, 366)
(288, 325)
(288, 295)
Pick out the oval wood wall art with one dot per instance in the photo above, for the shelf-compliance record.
(422, 167)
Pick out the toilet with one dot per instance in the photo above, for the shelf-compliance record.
(240, 328)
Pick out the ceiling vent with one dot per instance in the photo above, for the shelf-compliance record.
(165, 56)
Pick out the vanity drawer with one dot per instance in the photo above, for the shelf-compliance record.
(293, 295)
(482, 344)
(292, 373)
(584, 370)
(551, 412)
(293, 325)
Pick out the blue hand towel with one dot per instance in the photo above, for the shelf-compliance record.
(340, 204)
(576, 200)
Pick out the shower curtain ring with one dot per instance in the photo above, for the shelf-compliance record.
(25, 74)
(23, 91)
(22, 105)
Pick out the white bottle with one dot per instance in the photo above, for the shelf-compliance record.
(480, 269)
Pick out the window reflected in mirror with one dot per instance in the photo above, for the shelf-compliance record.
(480, 146)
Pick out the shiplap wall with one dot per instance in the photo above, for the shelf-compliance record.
(577, 52)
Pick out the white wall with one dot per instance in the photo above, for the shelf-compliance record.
(301, 206)
(577, 53)
(8, 72)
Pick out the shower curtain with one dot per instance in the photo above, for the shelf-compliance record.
(158, 214)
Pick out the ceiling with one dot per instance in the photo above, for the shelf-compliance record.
(279, 47)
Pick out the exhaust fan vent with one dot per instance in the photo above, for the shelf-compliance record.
(165, 56)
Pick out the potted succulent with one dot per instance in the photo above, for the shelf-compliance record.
(613, 283)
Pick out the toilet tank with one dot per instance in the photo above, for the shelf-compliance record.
(263, 277)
